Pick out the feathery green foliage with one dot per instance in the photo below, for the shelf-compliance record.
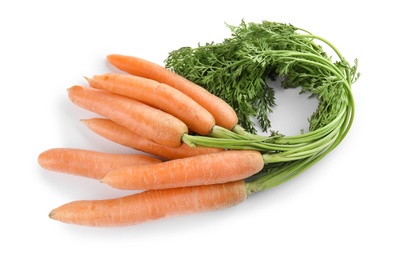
(237, 70)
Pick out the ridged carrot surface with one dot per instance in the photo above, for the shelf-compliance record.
(223, 113)
(158, 95)
(143, 120)
(88, 163)
(150, 205)
(205, 169)
(121, 135)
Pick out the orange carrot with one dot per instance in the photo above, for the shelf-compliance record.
(223, 113)
(141, 119)
(87, 163)
(151, 205)
(121, 135)
(158, 95)
(204, 169)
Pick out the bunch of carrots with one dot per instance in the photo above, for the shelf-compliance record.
(156, 111)
(195, 156)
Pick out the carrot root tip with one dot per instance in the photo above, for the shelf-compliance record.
(51, 215)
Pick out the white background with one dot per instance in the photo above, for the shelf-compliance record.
(348, 206)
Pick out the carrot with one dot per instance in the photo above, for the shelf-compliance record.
(141, 119)
(158, 95)
(151, 205)
(121, 135)
(204, 169)
(87, 163)
(223, 113)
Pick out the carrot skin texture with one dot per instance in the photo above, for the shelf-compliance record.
(151, 205)
(223, 113)
(227, 166)
(87, 163)
(121, 135)
(158, 95)
(141, 119)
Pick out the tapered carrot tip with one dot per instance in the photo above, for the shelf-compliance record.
(51, 215)
(54, 215)
(90, 81)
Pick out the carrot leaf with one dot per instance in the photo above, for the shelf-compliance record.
(238, 69)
